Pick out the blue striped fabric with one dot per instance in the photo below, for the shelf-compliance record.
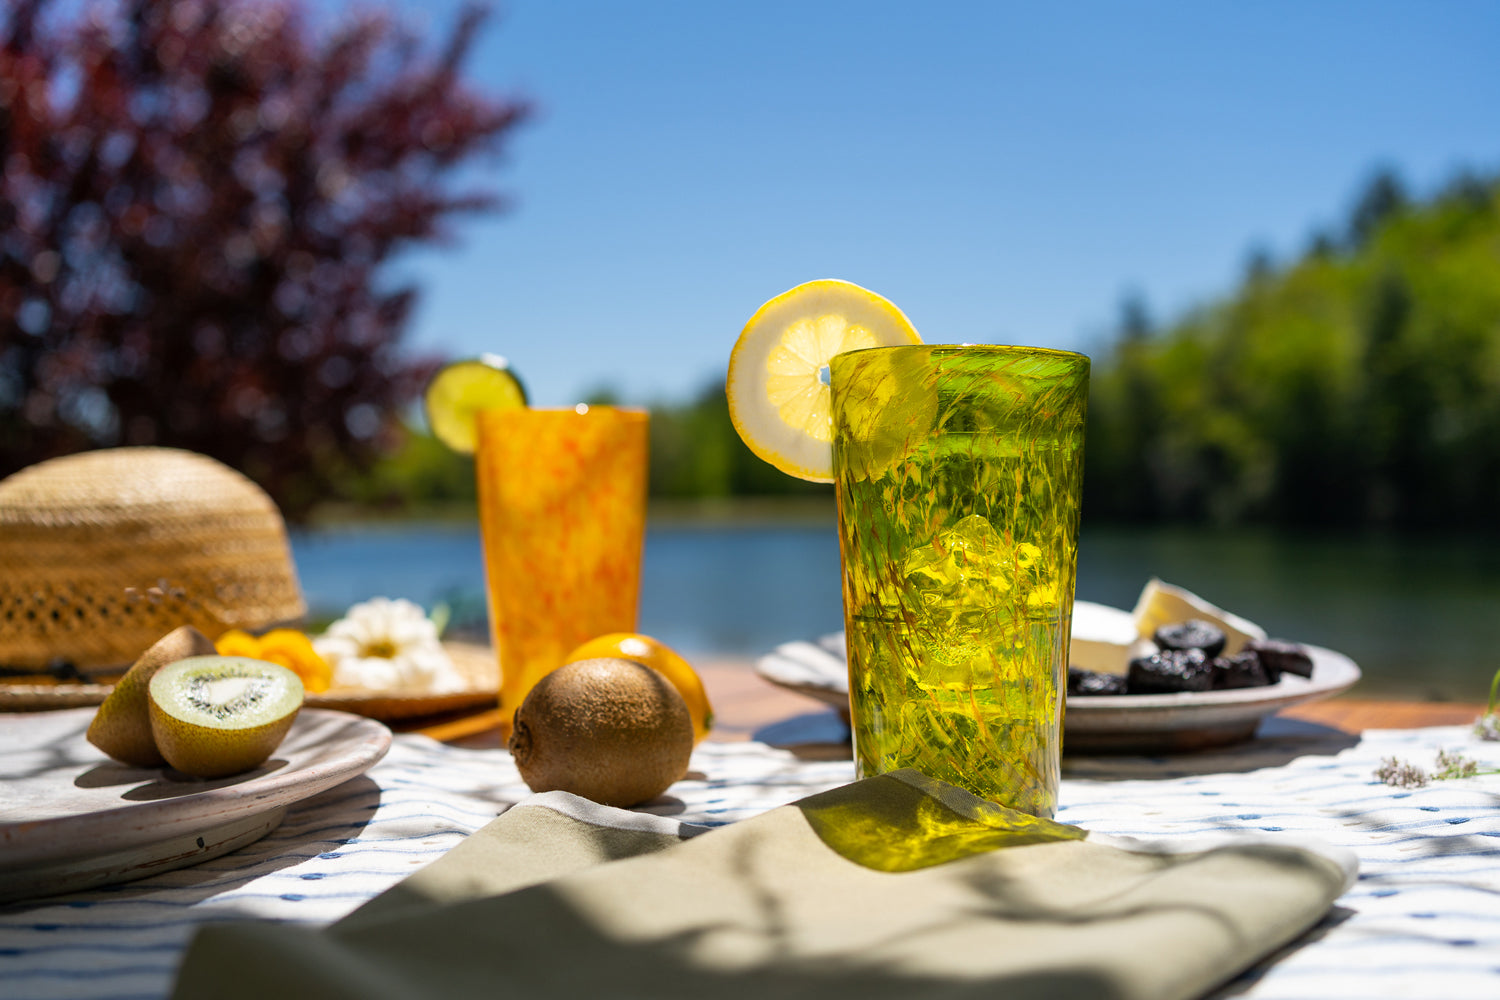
(1423, 919)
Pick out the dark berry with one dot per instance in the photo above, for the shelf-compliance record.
(1169, 671)
(1193, 634)
(1279, 656)
(1242, 670)
(1091, 682)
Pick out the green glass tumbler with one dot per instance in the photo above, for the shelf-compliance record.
(958, 472)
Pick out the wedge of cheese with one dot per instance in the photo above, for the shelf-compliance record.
(1102, 637)
(1163, 604)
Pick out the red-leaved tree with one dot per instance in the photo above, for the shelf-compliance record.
(197, 198)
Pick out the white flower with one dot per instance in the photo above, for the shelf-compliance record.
(388, 645)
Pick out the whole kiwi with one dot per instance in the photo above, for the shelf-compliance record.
(122, 726)
(608, 729)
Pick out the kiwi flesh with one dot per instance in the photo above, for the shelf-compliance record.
(213, 716)
(122, 726)
(608, 729)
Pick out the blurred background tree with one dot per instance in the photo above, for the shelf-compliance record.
(196, 203)
(696, 452)
(1355, 387)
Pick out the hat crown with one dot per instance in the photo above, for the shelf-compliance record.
(104, 552)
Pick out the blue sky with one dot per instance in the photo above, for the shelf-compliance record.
(1005, 172)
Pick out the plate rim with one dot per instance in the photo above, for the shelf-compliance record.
(1108, 713)
(33, 841)
(1333, 672)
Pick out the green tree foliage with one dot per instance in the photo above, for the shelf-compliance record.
(421, 474)
(696, 452)
(1356, 386)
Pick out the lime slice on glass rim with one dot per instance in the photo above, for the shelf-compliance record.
(779, 400)
(460, 389)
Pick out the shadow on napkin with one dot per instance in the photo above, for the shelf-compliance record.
(886, 887)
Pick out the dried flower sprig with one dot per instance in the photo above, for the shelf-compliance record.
(1455, 765)
(1400, 773)
(1448, 766)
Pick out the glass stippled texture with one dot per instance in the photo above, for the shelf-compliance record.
(562, 517)
(958, 472)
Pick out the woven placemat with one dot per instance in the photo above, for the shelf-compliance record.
(477, 663)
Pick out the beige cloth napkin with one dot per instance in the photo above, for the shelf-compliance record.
(891, 887)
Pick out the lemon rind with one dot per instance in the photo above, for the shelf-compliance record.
(755, 417)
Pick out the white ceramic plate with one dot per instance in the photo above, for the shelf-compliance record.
(71, 818)
(1143, 723)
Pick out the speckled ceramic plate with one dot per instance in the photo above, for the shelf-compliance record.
(71, 818)
(1149, 723)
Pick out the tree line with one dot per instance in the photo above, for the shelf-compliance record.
(1354, 386)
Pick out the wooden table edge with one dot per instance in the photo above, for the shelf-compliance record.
(745, 703)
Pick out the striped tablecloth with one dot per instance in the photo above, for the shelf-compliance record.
(1423, 920)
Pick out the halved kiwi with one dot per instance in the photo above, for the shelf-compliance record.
(122, 726)
(214, 716)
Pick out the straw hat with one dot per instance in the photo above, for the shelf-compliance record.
(104, 552)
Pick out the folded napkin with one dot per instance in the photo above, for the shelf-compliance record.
(891, 887)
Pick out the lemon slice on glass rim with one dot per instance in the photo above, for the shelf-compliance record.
(779, 400)
(459, 390)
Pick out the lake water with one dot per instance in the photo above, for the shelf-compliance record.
(1416, 616)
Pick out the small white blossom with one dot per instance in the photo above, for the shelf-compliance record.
(387, 645)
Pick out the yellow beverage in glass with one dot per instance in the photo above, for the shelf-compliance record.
(562, 517)
(958, 472)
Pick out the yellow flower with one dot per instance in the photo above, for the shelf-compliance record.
(285, 646)
(238, 643)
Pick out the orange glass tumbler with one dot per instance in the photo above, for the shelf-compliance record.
(562, 518)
